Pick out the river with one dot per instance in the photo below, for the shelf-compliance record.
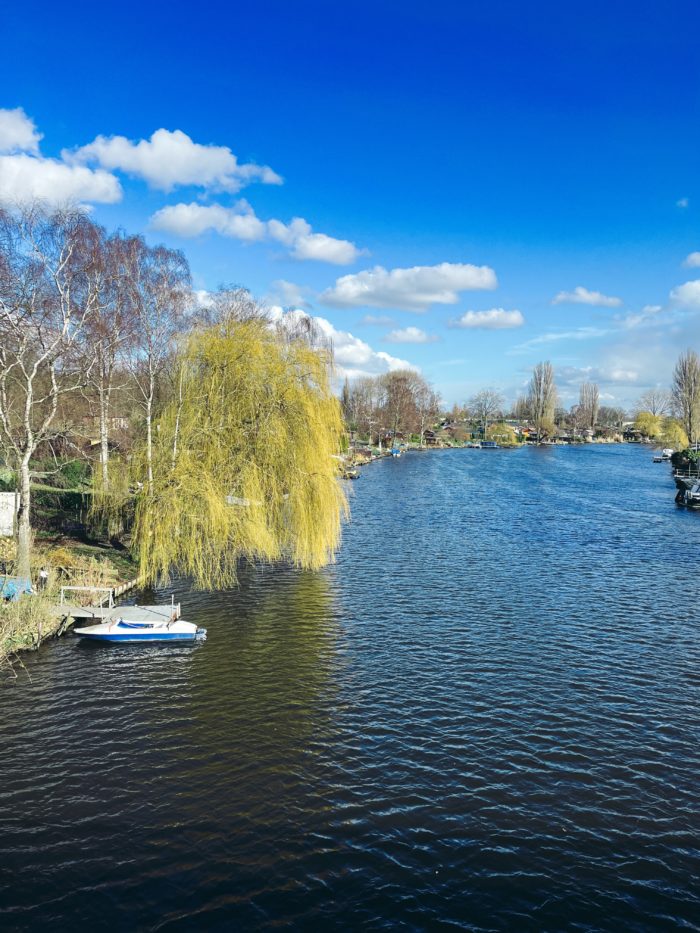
(484, 716)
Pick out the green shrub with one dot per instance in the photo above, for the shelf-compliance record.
(8, 480)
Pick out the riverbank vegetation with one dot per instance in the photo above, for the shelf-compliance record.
(191, 431)
(166, 429)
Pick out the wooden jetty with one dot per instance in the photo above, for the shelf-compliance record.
(103, 609)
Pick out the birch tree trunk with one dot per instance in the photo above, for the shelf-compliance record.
(149, 436)
(24, 529)
(104, 392)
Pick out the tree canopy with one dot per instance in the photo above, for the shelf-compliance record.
(243, 459)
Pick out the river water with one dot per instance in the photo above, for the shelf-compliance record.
(485, 716)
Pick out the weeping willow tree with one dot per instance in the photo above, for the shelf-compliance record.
(243, 459)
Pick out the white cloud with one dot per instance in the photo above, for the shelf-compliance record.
(494, 319)
(410, 335)
(682, 202)
(377, 320)
(18, 132)
(290, 294)
(305, 244)
(25, 174)
(353, 357)
(413, 289)
(687, 295)
(583, 296)
(692, 261)
(24, 177)
(241, 223)
(645, 316)
(191, 220)
(575, 375)
(169, 159)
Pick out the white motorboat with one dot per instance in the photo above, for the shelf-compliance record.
(692, 496)
(129, 624)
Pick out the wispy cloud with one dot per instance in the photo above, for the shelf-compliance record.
(647, 315)
(575, 375)
(692, 261)
(377, 320)
(580, 333)
(682, 202)
(584, 296)
(290, 294)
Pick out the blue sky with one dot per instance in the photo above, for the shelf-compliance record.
(444, 159)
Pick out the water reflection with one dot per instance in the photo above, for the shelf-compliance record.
(484, 716)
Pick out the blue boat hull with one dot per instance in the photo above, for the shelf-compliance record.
(135, 639)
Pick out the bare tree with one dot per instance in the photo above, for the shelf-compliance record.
(229, 303)
(427, 405)
(521, 412)
(159, 293)
(486, 406)
(589, 401)
(686, 393)
(364, 403)
(655, 401)
(399, 406)
(611, 417)
(47, 296)
(108, 332)
(542, 398)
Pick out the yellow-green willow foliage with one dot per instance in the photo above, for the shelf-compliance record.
(110, 508)
(244, 461)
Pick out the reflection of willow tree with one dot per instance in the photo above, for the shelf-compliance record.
(243, 458)
(268, 687)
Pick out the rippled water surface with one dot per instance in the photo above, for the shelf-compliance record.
(484, 716)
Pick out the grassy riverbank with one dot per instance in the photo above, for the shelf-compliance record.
(27, 622)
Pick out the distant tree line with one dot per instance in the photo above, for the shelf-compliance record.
(401, 402)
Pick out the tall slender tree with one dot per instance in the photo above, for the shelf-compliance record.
(686, 393)
(109, 331)
(158, 291)
(589, 401)
(542, 398)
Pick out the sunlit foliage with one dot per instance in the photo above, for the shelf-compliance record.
(243, 459)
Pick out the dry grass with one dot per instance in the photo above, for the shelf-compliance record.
(24, 623)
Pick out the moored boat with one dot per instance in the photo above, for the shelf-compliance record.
(692, 496)
(130, 624)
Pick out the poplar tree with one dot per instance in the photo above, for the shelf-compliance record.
(686, 393)
(542, 398)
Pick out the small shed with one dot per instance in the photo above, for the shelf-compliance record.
(8, 510)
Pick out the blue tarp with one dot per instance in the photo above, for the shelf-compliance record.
(14, 587)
